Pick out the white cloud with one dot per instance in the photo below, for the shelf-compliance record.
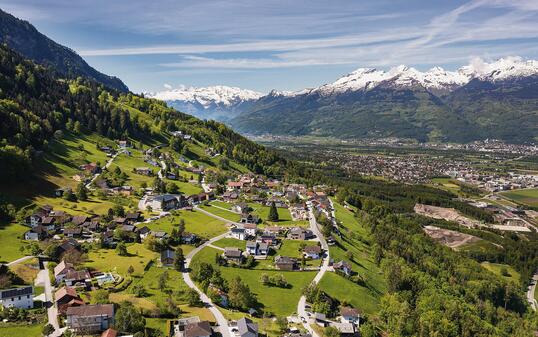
(167, 86)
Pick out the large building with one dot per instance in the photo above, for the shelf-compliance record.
(90, 319)
(21, 298)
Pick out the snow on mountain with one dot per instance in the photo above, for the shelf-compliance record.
(436, 78)
(208, 96)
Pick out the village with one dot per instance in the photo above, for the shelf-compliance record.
(267, 226)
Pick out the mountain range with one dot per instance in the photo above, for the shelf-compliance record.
(25, 39)
(480, 100)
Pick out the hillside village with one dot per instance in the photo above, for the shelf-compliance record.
(266, 225)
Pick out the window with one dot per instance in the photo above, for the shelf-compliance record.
(19, 298)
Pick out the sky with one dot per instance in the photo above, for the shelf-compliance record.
(278, 44)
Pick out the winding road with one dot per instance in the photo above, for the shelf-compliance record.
(219, 317)
(531, 292)
(301, 306)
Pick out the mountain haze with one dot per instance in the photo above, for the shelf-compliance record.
(24, 38)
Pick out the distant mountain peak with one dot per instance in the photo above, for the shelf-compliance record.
(208, 96)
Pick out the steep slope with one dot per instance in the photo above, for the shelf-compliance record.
(481, 100)
(24, 38)
(217, 102)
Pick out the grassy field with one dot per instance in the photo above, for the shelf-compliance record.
(155, 296)
(108, 260)
(231, 242)
(497, 268)
(25, 330)
(524, 196)
(228, 215)
(280, 301)
(26, 270)
(10, 241)
(222, 204)
(357, 241)
(195, 222)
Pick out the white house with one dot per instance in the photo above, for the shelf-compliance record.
(21, 298)
(250, 229)
(239, 233)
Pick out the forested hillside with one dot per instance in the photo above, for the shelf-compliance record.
(36, 106)
(26, 39)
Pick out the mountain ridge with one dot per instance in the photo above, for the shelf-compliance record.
(24, 38)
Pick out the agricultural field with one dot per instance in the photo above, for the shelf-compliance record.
(22, 330)
(355, 244)
(524, 196)
(279, 301)
(195, 222)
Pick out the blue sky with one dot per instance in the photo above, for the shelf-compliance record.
(287, 44)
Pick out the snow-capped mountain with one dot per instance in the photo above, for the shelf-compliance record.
(470, 103)
(215, 102)
(436, 78)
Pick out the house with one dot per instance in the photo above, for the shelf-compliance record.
(36, 233)
(233, 254)
(249, 219)
(79, 220)
(285, 263)
(252, 248)
(240, 208)
(144, 232)
(108, 238)
(48, 222)
(263, 249)
(164, 202)
(239, 233)
(68, 245)
(349, 315)
(34, 220)
(234, 185)
(160, 235)
(60, 271)
(20, 298)
(250, 229)
(90, 319)
(77, 278)
(146, 171)
(230, 196)
(247, 328)
(345, 328)
(269, 239)
(73, 232)
(298, 233)
(198, 329)
(167, 257)
(66, 297)
(344, 267)
(133, 216)
(189, 238)
(91, 168)
(313, 252)
(274, 230)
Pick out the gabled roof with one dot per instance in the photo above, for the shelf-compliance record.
(65, 291)
(349, 312)
(198, 329)
(62, 267)
(232, 252)
(14, 292)
(245, 326)
(315, 249)
(92, 310)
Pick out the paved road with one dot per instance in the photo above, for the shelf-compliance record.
(17, 261)
(108, 163)
(530, 293)
(221, 320)
(301, 306)
(43, 277)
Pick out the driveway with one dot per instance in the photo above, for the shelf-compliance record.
(43, 278)
(221, 320)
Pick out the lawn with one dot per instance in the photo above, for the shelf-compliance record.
(496, 268)
(108, 260)
(228, 215)
(10, 241)
(195, 222)
(231, 242)
(128, 163)
(280, 301)
(355, 239)
(284, 216)
(155, 297)
(25, 330)
(92, 206)
(523, 196)
(222, 204)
